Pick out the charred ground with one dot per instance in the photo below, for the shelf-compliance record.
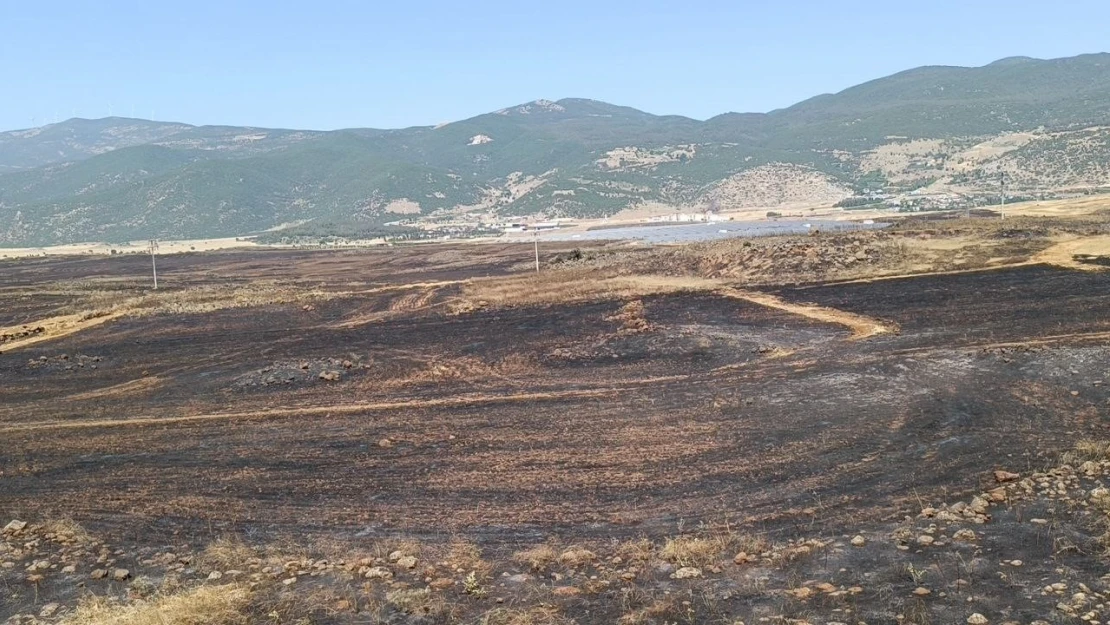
(401, 399)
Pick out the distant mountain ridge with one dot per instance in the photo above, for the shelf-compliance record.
(927, 132)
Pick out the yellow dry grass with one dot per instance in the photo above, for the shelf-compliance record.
(693, 551)
(225, 554)
(417, 601)
(575, 286)
(569, 286)
(538, 557)
(707, 550)
(577, 556)
(1087, 449)
(1063, 253)
(467, 369)
(125, 388)
(206, 605)
(67, 529)
(861, 327)
(466, 556)
(544, 615)
(56, 327)
(1071, 207)
(335, 410)
(99, 306)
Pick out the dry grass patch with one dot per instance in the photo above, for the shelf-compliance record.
(406, 546)
(466, 556)
(639, 550)
(567, 286)
(693, 551)
(95, 305)
(632, 318)
(655, 612)
(205, 605)
(468, 369)
(538, 558)
(533, 616)
(707, 550)
(225, 554)
(417, 601)
(577, 556)
(66, 530)
(1086, 450)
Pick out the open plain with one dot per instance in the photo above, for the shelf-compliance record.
(866, 427)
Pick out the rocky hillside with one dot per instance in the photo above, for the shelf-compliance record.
(929, 137)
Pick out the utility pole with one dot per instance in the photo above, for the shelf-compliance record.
(153, 263)
(1002, 181)
(536, 241)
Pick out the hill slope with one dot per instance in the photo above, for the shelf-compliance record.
(932, 134)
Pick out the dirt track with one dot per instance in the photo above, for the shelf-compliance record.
(510, 424)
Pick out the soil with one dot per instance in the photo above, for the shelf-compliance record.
(590, 422)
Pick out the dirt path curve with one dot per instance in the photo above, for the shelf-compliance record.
(862, 327)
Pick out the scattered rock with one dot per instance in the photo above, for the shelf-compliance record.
(964, 535)
(977, 619)
(921, 591)
(566, 591)
(858, 541)
(925, 540)
(378, 572)
(49, 610)
(408, 562)
(1005, 476)
(120, 575)
(99, 574)
(686, 572)
(1090, 468)
(15, 526)
(385, 443)
(289, 581)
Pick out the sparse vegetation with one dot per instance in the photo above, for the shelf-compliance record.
(205, 605)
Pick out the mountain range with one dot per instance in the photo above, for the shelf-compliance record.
(931, 134)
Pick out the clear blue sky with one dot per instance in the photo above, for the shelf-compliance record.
(326, 64)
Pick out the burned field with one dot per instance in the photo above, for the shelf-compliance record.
(382, 408)
(381, 412)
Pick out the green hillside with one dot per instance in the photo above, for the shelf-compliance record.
(117, 179)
